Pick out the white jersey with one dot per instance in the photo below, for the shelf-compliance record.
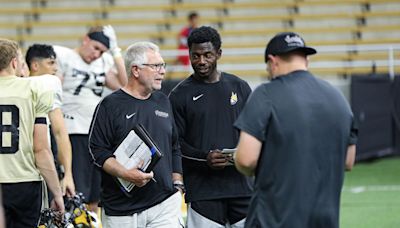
(21, 102)
(83, 85)
(53, 83)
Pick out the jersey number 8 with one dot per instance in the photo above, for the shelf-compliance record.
(9, 129)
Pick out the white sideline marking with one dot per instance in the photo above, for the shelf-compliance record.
(372, 188)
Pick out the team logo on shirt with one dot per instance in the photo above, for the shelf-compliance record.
(234, 98)
(195, 98)
(130, 116)
(161, 114)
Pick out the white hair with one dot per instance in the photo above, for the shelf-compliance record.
(136, 54)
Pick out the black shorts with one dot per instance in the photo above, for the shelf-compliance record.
(223, 211)
(86, 175)
(22, 203)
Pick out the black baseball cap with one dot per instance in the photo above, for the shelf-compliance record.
(286, 42)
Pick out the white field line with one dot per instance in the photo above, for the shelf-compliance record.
(372, 188)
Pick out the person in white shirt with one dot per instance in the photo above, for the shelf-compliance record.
(85, 71)
(25, 156)
(41, 61)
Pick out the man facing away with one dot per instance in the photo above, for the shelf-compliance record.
(85, 71)
(41, 61)
(205, 105)
(297, 137)
(154, 204)
(25, 156)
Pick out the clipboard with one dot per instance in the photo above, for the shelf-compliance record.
(136, 147)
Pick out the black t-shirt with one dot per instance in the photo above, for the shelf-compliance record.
(113, 119)
(305, 126)
(204, 115)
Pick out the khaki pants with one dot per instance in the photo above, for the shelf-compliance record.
(166, 214)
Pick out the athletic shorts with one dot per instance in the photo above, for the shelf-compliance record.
(218, 213)
(22, 203)
(86, 175)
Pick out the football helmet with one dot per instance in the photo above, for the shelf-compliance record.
(76, 215)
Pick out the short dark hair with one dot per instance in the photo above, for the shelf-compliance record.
(192, 15)
(39, 51)
(205, 34)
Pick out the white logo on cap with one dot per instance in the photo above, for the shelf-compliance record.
(294, 41)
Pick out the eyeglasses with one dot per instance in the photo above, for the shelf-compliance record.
(155, 66)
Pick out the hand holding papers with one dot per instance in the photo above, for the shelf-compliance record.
(136, 148)
(229, 154)
(218, 159)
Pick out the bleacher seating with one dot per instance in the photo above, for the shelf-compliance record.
(242, 24)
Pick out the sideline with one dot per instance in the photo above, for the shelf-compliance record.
(371, 188)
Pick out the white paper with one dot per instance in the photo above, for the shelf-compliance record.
(230, 153)
(130, 153)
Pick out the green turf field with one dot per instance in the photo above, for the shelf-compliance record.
(371, 195)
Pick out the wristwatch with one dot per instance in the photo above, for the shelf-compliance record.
(179, 185)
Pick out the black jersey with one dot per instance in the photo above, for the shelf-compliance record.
(113, 119)
(204, 115)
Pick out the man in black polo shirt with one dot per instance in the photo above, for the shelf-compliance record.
(297, 137)
(155, 203)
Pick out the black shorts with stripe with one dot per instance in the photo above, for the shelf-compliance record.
(222, 211)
